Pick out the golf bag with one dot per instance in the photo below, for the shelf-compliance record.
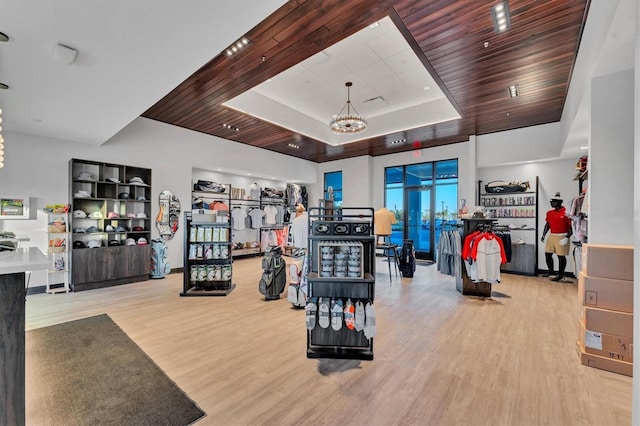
(407, 259)
(274, 274)
(298, 270)
(159, 264)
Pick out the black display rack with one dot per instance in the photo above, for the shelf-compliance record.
(341, 228)
(207, 253)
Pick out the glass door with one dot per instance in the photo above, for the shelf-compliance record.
(420, 220)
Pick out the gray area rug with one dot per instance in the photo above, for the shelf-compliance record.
(89, 372)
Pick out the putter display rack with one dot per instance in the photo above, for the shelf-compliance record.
(334, 235)
(207, 254)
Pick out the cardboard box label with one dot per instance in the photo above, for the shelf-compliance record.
(593, 339)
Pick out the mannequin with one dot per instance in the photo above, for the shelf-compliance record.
(300, 227)
(383, 219)
(559, 224)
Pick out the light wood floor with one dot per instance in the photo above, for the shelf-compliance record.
(440, 358)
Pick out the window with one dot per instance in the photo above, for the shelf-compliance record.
(424, 199)
(333, 180)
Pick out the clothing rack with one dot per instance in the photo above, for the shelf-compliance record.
(464, 284)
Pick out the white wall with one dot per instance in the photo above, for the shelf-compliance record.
(635, 398)
(611, 159)
(356, 181)
(38, 167)
(527, 144)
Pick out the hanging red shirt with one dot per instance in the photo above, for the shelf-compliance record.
(559, 222)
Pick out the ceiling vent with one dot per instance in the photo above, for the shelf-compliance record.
(375, 102)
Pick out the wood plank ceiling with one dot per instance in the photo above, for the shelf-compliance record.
(538, 52)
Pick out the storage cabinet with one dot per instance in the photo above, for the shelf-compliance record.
(110, 224)
(515, 215)
(341, 268)
(207, 257)
(110, 266)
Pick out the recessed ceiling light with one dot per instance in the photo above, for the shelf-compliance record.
(513, 91)
(248, 174)
(237, 46)
(4, 37)
(375, 24)
(584, 147)
(501, 17)
(292, 145)
(219, 170)
(230, 127)
(425, 88)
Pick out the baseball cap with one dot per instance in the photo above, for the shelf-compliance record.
(113, 179)
(92, 229)
(124, 196)
(114, 243)
(121, 228)
(113, 215)
(82, 194)
(96, 215)
(137, 180)
(131, 215)
(142, 241)
(85, 176)
(141, 215)
(78, 244)
(94, 244)
(79, 214)
(130, 242)
(109, 228)
(79, 230)
(138, 228)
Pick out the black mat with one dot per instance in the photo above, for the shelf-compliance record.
(89, 372)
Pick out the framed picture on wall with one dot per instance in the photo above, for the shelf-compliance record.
(14, 207)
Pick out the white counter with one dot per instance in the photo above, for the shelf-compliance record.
(22, 260)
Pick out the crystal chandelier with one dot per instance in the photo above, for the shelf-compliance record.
(349, 122)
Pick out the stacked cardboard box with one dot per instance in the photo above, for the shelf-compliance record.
(605, 288)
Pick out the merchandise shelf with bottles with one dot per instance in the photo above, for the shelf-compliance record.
(207, 257)
(245, 238)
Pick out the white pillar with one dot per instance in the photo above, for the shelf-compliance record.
(611, 150)
(635, 398)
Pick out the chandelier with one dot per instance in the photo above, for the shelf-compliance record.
(348, 123)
